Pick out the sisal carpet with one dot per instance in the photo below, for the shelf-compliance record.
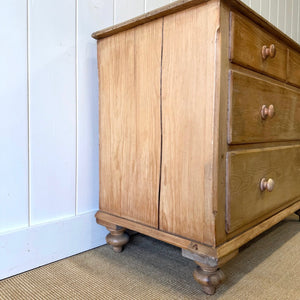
(267, 268)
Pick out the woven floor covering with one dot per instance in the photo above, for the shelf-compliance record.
(267, 268)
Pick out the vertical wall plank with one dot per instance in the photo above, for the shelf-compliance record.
(281, 15)
(52, 109)
(274, 12)
(153, 4)
(294, 18)
(265, 9)
(247, 2)
(288, 17)
(125, 11)
(255, 5)
(92, 15)
(13, 115)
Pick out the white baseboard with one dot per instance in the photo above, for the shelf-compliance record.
(31, 247)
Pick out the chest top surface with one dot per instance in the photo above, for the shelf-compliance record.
(185, 4)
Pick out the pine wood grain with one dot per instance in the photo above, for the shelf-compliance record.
(188, 91)
(172, 239)
(247, 96)
(293, 67)
(245, 169)
(248, 226)
(129, 79)
(242, 239)
(247, 40)
(221, 115)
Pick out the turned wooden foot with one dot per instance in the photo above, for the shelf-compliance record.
(208, 277)
(298, 213)
(208, 273)
(117, 237)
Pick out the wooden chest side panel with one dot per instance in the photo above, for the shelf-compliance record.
(188, 78)
(245, 169)
(130, 135)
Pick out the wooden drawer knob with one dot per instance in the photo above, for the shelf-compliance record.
(267, 184)
(268, 51)
(267, 111)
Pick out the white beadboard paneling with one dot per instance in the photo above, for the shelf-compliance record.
(255, 5)
(125, 10)
(274, 12)
(13, 115)
(92, 15)
(246, 2)
(281, 15)
(288, 17)
(153, 4)
(265, 9)
(295, 11)
(52, 109)
(29, 248)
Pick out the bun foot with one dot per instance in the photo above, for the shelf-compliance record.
(117, 238)
(208, 277)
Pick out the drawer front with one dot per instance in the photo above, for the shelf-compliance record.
(293, 73)
(246, 198)
(261, 111)
(247, 42)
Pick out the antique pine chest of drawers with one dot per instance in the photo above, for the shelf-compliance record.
(199, 127)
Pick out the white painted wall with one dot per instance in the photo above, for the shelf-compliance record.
(49, 121)
(49, 130)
